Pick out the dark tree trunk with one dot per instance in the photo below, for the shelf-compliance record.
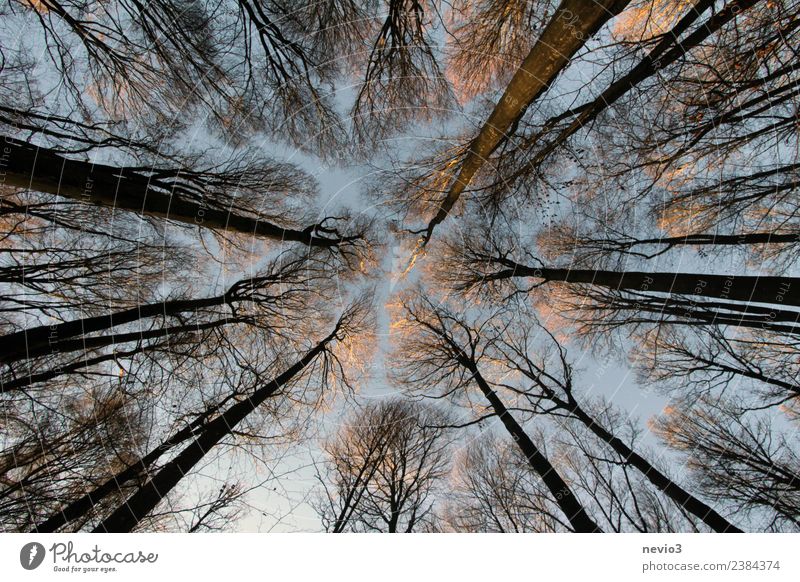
(773, 290)
(80, 507)
(29, 379)
(45, 339)
(702, 240)
(44, 170)
(669, 310)
(561, 492)
(93, 343)
(663, 483)
(125, 518)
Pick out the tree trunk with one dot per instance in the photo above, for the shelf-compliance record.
(574, 22)
(667, 52)
(773, 290)
(561, 492)
(663, 483)
(45, 339)
(702, 240)
(93, 343)
(125, 518)
(23, 380)
(700, 312)
(44, 170)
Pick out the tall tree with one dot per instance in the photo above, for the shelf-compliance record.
(548, 388)
(224, 198)
(734, 457)
(51, 455)
(385, 467)
(495, 491)
(452, 358)
(572, 24)
(150, 494)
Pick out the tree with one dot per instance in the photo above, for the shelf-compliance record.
(385, 467)
(665, 50)
(125, 517)
(452, 355)
(264, 304)
(549, 390)
(243, 64)
(486, 259)
(650, 127)
(223, 199)
(734, 457)
(51, 455)
(402, 79)
(487, 263)
(496, 491)
(760, 367)
(572, 24)
(57, 258)
(489, 40)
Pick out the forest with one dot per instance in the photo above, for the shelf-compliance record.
(400, 266)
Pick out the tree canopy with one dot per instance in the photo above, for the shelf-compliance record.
(399, 265)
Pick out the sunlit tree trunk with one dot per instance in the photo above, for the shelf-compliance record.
(667, 52)
(572, 25)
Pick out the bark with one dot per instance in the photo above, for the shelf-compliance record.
(80, 507)
(561, 492)
(45, 170)
(751, 238)
(663, 483)
(772, 290)
(45, 339)
(125, 518)
(663, 55)
(574, 22)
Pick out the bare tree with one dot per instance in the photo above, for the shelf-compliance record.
(402, 79)
(760, 367)
(439, 347)
(244, 64)
(490, 39)
(226, 198)
(547, 387)
(320, 358)
(384, 469)
(51, 455)
(495, 490)
(734, 457)
(572, 24)
(266, 303)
